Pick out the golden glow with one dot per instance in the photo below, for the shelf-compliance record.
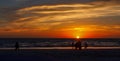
(62, 20)
(78, 32)
(77, 37)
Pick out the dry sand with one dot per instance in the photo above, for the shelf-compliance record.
(60, 55)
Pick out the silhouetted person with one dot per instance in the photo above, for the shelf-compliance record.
(78, 45)
(72, 45)
(17, 46)
(85, 45)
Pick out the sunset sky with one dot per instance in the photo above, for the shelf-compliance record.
(59, 18)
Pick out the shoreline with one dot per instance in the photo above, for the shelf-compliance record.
(61, 48)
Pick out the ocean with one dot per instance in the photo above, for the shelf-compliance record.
(57, 42)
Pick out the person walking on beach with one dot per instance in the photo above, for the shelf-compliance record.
(72, 45)
(78, 45)
(85, 45)
(17, 46)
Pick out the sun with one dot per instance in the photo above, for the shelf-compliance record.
(77, 37)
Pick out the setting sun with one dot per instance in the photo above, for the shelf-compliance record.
(77, 37)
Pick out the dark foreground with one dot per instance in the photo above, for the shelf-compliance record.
(60, 55)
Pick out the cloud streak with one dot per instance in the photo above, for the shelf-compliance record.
(102, 15)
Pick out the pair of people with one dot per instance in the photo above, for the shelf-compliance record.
(78, 45)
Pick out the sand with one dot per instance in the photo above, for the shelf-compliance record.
(60, 55)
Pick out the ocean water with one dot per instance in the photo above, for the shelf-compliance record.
(56, 42)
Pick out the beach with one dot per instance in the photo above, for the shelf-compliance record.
(60, 55)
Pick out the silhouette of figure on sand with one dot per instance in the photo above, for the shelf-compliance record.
(17, 46)
(85, 45)
(72, 44)
(78, 45)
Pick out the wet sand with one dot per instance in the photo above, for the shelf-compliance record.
(37, 48)
(60, 55)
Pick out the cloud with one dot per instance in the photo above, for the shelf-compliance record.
(76, 11)
(42, 15)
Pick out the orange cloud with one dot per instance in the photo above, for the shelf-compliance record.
(64, 20)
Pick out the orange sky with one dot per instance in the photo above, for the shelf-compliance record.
(73, 33)
(67, 19)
